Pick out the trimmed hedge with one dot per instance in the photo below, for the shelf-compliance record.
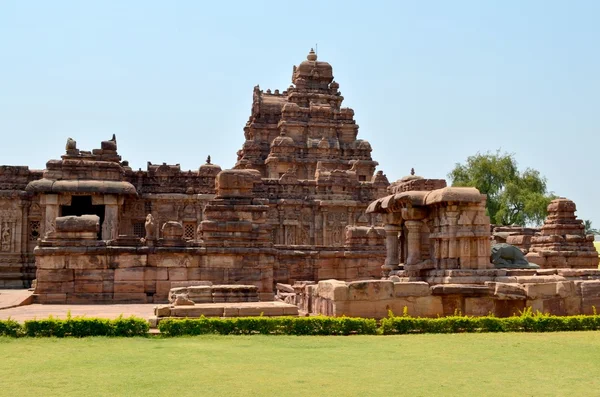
(456, 324)
(10, 328)
(76, 327)
(269, 325)
(319, 325)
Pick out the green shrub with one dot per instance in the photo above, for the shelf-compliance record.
(319, 325)
(82, 326)
(10, 328)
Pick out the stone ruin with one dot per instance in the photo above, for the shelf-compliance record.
(438, 263)
(562, 242)
(303, 209)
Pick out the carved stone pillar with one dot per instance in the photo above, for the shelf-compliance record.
(24, 209)
(453, 247)
(324, 231)
(50, 205)
(110, 226)
(280, 230)
(391, 243)
(413, 256)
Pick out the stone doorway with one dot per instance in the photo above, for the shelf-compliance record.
(82, 205)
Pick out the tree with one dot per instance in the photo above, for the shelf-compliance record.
(589, 229)
(513, 197)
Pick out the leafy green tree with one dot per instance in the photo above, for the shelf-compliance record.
(589, 229)
(513, 197)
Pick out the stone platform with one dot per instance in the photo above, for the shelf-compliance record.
(38, 311)
(10, 298)
(228, 309)
(502, 292)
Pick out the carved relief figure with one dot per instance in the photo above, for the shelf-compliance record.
(289, 236)
(6, 237)
(150, 228)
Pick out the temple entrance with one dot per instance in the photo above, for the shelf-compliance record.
(82, 205)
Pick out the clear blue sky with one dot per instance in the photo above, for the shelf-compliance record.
(431, 82)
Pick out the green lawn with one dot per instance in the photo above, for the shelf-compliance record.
(558, 364)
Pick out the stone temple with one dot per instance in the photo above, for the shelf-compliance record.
(293, 208)
(303, 217)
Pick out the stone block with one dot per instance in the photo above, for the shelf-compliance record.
(191, 283)
(162, 289)
(460, 289)
(87, 262)
(565, 289)
(212, 275)
(590, 305)
(94, 274)
(580, 262)
(220, 261)
(83, 223)
(156, 273)
(508, 308)
(535, 257)
(332, 289)
(479, 306)
(87, 298)
(590, 289)
(536, 305)
(54, 287)
(572, 305)
(579, 272)
(162, 310)
(291, 310)
(539, 279)
(231, 311)
(108, 286)
(414, 288)
(556, 261)
(129, 274)
(89, 287)
(54, 275)
(130, 297)
(197, 311)
(371, 290)
(244, 311)
(177, 274)
(422, 306)
(509, 291)
(554, 306)
(128, 287)
(360, 308)
(428, 306)
(128, 260)
(150, 286)
(541, 290)
(153, 321)
(53, 298)
(163, 260)
(453, 305)
(50, 262)
(194, 273)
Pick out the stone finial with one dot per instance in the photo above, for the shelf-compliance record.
(71, 144)
(412, 171)
(311, 55)
(208, 160)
